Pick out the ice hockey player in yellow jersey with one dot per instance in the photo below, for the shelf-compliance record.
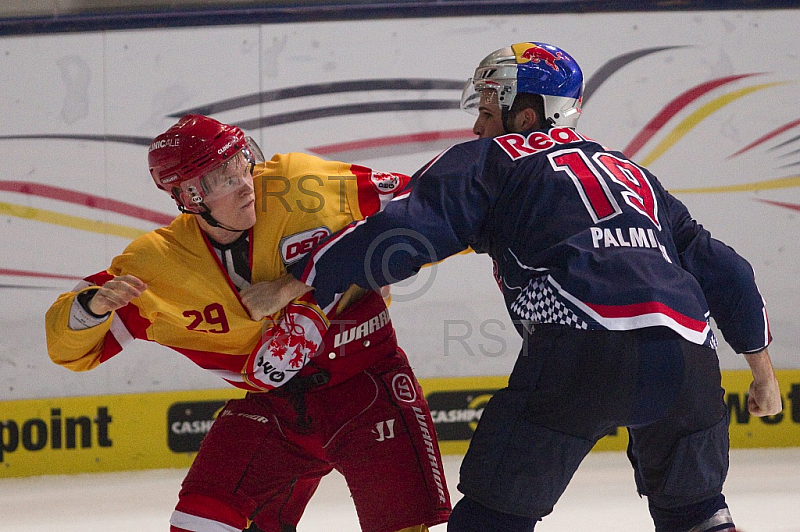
(313, 404)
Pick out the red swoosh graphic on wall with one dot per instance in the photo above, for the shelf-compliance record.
(23, 273)
(673, 108)
(771, 134)
(792, 206)
(87, 200)
(647, 132)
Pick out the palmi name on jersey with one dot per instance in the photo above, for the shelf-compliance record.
(637, 237)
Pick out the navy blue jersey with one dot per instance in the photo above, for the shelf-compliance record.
(579, 235)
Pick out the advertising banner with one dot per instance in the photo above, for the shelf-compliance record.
(164, 430)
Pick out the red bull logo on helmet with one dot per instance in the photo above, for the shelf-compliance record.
(528, 52)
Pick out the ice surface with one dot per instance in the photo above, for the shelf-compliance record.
(763, 491)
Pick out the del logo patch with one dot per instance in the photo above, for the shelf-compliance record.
(295, 246)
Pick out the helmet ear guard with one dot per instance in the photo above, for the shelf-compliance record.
(529, 68)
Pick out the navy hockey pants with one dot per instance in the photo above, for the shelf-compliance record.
(569, 388)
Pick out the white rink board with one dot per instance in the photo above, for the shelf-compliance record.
(127, 83)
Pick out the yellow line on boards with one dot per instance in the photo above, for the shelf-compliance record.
(691, 121)
(66, 220)
(769, 184)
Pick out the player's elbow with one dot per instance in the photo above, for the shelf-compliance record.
(63, 358)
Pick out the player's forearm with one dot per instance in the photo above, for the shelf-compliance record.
(269, 297)
(761, 366)
(729, 286)
(78, 350)
(290, 289)
(764, 397)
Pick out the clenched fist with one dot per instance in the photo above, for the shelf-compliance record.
(116, 293)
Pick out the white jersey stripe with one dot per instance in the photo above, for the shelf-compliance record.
(121, 333)
(198, 524)
(230, 376)
(636, 322)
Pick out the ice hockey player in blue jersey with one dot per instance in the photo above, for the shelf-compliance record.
(608, 279)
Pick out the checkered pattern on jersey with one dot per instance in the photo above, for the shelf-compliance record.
(711, 341)
(539, 303)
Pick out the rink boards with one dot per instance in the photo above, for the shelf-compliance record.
(706, 100)
(164, 429)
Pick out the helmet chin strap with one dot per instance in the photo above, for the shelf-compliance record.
(205, 213)
(213, 222)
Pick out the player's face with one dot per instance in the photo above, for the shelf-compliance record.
(490, 116)
(230, 195)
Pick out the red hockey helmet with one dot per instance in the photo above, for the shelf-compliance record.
(190, 149)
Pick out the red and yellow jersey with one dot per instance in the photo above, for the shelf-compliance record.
(192, 306)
